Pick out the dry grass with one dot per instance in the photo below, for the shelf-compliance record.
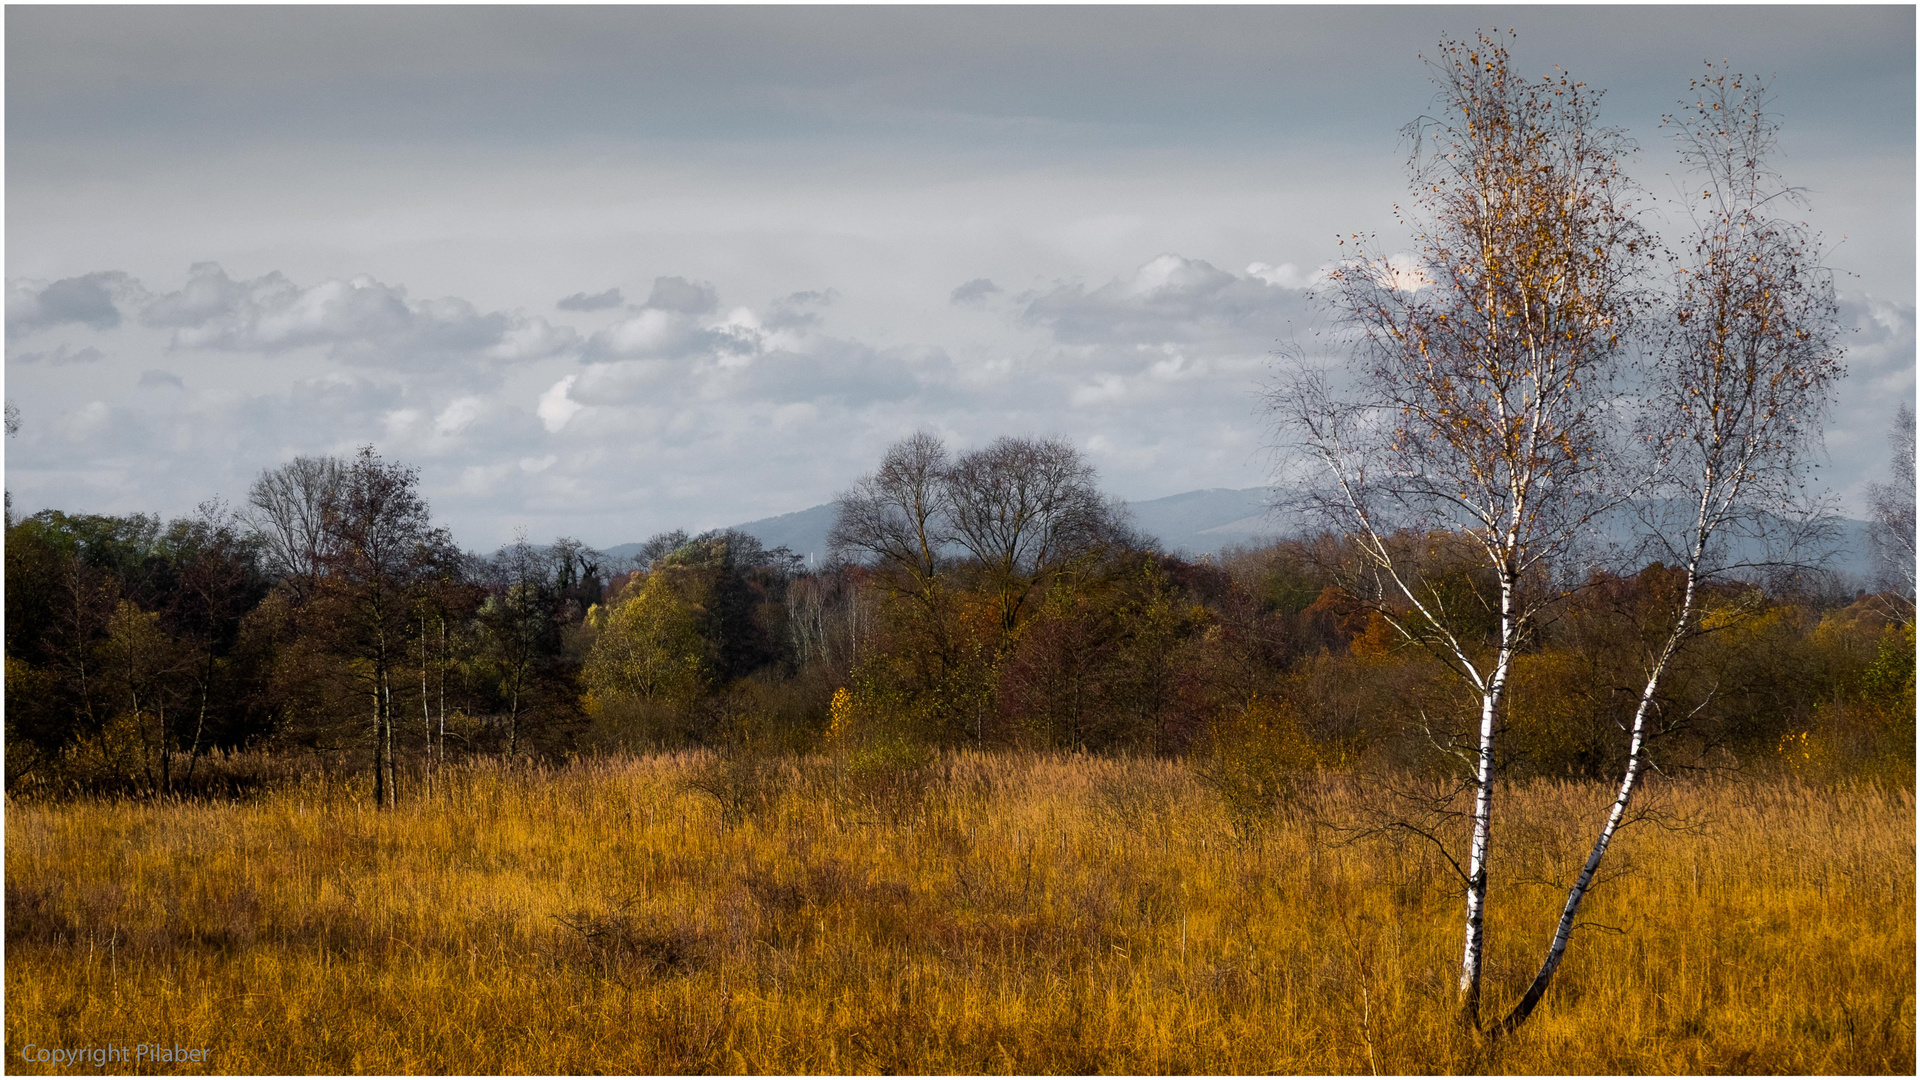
(989, 914)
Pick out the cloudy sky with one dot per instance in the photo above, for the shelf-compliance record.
(607, 271)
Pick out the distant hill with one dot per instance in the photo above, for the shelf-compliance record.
(1193, 523)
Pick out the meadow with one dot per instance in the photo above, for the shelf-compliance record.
(1016, 913)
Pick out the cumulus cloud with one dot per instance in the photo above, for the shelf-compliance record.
(1168, 299)
(658, 333)
(580, 301)
(59, 355)
(82, 425)
(846, 372)
(973, 292)
(666, 413)
(91, 300)
(458, 416)
(798, 311)
(1880, 359)
(360, 320)
(555, 407)
(686, 297)
(1286, 275)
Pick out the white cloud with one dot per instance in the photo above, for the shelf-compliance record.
(1403, 273)
(1286, 275)
(1168, 299)
(86, 422)
(458, 416)
(360, 320)
(555, 407)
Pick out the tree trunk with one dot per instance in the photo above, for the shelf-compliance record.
(426, 705)
(200, 723)
(1474, 951)
(1564, 931)
(513, 720)
(386, 740)
(1636, 763)
(166, 759)
(379, 771)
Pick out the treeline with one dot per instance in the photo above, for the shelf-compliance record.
(991, 599)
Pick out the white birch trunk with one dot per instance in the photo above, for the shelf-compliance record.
(1475, 948)
(1636, 764)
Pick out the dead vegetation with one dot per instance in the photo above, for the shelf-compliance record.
(999, 913)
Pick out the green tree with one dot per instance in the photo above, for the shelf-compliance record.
(648, 646)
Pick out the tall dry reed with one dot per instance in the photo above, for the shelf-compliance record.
(973, 914)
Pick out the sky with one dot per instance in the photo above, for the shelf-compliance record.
(603, 272)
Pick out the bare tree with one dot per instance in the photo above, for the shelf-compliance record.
(1891, 507)
(288, 512)
(1732, 409)
(900, 515)
(659, 547)
(1023, 508)
(1480, 408)
(13, 428)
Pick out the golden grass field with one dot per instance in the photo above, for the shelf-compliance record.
(1013, 913)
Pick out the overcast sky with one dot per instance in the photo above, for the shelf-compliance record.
(607, 271)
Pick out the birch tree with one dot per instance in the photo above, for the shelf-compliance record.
(1478, 408)
(1891, 507)
(1731, 410)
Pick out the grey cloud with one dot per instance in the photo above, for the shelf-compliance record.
(580, 301)
(658, 333)
(237, 75)
(361, 320)
(90, 300)
(627, 382)
(1883, 341)
(1168, 300)
(798, 311)
(973, 292)
(59, 355)
(679, 294)
(209, 294)
(154, 377)
(1880, 374)
(848, 372)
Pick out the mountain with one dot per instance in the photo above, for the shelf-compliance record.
(1196, 522)
(1193, 523)
(1206, 522)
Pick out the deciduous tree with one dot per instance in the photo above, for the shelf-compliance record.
(1731, 411)
(1484, 371)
